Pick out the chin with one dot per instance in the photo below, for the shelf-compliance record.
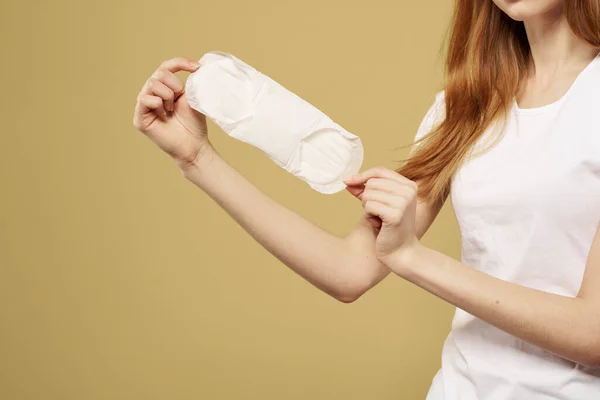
(523, 10)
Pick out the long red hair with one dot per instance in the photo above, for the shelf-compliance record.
(487, 58)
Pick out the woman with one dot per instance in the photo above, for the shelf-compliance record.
(525, 73)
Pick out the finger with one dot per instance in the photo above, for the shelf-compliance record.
(161, 90)
(169, 79)
(152, 103)
(165, 74)
(375, 209)
(382, 197)
(397, 188)
(176, 64)
(383, 184)
(377, 172)
(387, 214)
(356, 191)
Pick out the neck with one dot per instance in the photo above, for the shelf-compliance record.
(554, 45)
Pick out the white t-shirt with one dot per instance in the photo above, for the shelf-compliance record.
(527, 211)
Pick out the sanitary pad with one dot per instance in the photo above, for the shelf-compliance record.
(255, 109)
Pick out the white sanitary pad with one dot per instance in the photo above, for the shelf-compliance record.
(251, 107)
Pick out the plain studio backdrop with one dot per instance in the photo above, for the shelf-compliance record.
(119, 279)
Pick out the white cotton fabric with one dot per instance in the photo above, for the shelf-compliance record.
(527, 211)
(253, 108)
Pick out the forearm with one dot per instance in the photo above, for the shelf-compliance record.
(565, 326)
(324, 260)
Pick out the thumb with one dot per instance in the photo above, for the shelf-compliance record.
(356, 191)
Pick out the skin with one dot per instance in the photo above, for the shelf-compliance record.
(343, 267)
(568, 327)
(386, 237)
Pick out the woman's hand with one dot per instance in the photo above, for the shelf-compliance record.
(390, 203)
(163, 114)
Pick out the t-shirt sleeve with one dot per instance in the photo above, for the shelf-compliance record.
(434, 116)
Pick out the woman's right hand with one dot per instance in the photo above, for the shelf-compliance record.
(163, 114)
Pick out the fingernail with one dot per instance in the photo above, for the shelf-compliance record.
(194, 64)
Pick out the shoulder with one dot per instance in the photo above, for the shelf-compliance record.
(434, 115)
(591, 80)
(436, 110)
(439, 105)
(584, 93)
(440, 96)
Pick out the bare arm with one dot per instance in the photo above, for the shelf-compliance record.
(566, 326)
(343, 267)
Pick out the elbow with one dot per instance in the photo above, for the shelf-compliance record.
(355, 282)
(352, 289)
(348, 294)
(347, 297)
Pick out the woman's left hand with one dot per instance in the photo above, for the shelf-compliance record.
(390, 203)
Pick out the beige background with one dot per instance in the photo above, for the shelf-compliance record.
(119, 279)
